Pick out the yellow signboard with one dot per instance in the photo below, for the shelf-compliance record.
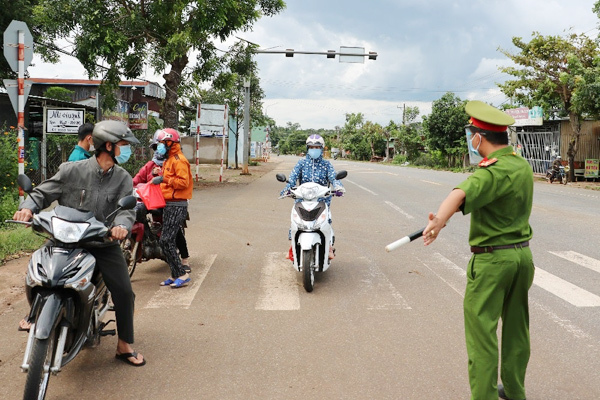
(591, 168)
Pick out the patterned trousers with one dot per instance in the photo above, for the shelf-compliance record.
(173, 220)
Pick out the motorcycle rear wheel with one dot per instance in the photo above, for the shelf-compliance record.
(38, 375)
(308, 273)
(130, 253)
(564, 179)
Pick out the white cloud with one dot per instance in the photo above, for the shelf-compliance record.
(425, 48)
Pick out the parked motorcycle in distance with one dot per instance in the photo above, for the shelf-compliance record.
(560, 175)
(311, 230)
(67, 295)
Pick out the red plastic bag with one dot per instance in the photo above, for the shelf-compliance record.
(151, 195)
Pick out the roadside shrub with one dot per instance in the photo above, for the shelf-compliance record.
(399, 159)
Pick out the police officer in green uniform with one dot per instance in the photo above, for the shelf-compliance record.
(498, 195)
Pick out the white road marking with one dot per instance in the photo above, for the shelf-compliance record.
(182, 298)
(565, 290)
(279, 285)
(362, 187)
(579, 259)
(382, 293)
(395, 207)
(433, 183)
(451, 266)
(563, 323)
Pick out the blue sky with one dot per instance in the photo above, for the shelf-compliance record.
(425, 49)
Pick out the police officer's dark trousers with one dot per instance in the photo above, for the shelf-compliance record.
(111, 263)
(497, 287)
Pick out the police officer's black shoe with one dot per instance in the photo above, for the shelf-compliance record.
(501, 393)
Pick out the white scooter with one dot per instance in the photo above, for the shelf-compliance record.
(311, 231)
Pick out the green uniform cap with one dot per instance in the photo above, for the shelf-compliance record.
(487, 117)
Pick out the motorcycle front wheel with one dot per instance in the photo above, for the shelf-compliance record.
(564, 179)
(38, 375)
(308, 273)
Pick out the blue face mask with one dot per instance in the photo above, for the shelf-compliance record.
(124, 155)
(161, 149)
(314, 153)
(470, 138)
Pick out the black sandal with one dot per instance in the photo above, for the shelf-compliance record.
(125, 358)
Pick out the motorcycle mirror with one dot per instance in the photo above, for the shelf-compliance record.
(281, 177)
(127, 203)
(341, 175)
(25, 183)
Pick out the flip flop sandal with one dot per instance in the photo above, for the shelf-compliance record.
(125, 358)
(167, 282)
(180, 283)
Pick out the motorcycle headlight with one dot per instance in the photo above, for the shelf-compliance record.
(310, 193)
(68, 232)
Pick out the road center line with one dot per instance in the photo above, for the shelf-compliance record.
(433, 183)
(395, 207)
(579, 259)
(362, 187)
(565, 290)
(169, 298)
(279, 286)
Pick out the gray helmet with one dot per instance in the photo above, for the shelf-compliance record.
(154, 142)
(112, 131)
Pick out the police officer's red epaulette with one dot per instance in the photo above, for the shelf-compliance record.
(486, 163)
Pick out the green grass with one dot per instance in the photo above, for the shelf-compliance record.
(17, 240)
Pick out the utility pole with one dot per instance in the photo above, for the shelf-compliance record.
(246, 136)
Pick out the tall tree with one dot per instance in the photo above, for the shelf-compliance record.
(127, 35)
(409, 138)
(559, 74)
(444, 128)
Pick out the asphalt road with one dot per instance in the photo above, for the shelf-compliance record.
(377, 326)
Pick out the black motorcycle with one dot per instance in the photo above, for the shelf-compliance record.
(557, 175)
(66, 292)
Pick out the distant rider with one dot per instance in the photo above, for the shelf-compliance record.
(314, 168)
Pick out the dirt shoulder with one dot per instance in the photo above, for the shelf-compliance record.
(12, 273)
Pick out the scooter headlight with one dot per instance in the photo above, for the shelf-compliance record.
(310, 193)
(68, 232)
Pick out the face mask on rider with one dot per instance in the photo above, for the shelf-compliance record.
(314, 153)
(92, 148)
(161, 149)
(124, 154)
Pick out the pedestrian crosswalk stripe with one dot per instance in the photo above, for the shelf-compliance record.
(565, 290)
(182, 298)
(279, 285)
(579, 259)
(382, 295)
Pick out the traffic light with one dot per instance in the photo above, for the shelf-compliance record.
(289, 52)
(331, 53)
(372, 55)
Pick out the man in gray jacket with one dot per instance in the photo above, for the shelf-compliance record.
(96, 185)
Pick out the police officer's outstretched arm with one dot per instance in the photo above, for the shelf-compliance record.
(449, 206)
